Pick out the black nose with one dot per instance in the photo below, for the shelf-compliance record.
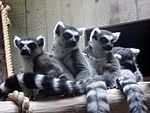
(25, 52)
(108, 47)
(71, 43)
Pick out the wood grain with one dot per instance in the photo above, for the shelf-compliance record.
(77, 104)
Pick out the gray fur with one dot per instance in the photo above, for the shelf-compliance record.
(65, 49)
(34, 59)
(130, 75)
(127, 60)
(29, 82)
(100, 56)
(132, 91)
(104, 66)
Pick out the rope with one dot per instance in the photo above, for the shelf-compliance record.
(18, 97)
(5, 23)
(21, 100)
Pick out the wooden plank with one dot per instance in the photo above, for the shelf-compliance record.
(143, 9)
(114, 12)
(71, 12)
(36, 18)
(88, 17)
(17, 16)
(18, 27)
(87, 14)
(102, 10)
(53, 10)
(78, 104)
(127, 10)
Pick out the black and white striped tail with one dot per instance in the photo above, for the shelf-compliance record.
(133, 92)
(39, 81)
(97, 98)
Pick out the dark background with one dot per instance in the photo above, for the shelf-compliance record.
(133, 34)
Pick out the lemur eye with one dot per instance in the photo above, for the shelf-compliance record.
(112, 41)
(67, 36)
(32, 45)
(21, 45)
(77, 37)
(104, 40)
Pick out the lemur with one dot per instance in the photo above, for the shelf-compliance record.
(33, 57)
(100, 55)
(65, 48)
(104, 65)
(127, 58)
(130, 76)
(38, 69)
(29, 81)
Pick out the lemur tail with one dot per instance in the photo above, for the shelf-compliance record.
(132, 91)
(39, 81)
(97, 98)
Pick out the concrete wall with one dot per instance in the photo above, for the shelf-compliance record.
(35, 17)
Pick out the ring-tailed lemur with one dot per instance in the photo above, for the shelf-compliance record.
(130, 76)
(29, 81)
(66, 49)
(127, 58)
(34, 59)
(104, 64)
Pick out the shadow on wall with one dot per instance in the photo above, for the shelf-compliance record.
(133, 34)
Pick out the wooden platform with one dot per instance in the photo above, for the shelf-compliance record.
(77, 104)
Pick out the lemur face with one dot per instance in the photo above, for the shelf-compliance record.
(66, 36)
(29, 46)
(104, 39)
(127, 57)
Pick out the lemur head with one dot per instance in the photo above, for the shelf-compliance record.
(103, 39)
(127, 57)
(66, 36)
(29, 46)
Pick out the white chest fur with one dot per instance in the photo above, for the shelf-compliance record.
(98, 63)
(27, 65)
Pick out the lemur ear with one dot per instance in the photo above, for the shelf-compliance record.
(16, 41)
(40, 40)
(58, 28)
(81, 30)
(118, 56)
(116, 36)
(135, 51)
(94, 33)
